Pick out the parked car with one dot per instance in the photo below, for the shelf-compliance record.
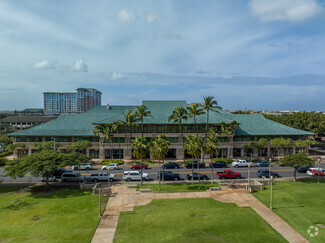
(195, 165)
(311, 171)
(72, 177)
(303, 169)
(59, 171)
(241, 163)
(102, 177)
(135, 176)
(168, 175)
(261, 170)
(51, 178)
(196, 176)
(137, 166)
(263, 163)
(170, 165)
(229, 174)
(111, 166)
(320, 172)
(218, 164)
(82, 167)
(266, 174)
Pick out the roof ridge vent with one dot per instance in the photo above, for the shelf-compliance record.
(107, 107)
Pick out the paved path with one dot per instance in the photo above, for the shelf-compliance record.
(125, 199)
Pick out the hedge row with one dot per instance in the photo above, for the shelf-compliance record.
(117, 161)
(4, 154)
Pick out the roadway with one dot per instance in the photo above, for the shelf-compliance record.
(153, 172)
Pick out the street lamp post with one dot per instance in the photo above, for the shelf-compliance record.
(54, 143)
(249, 175)
(270, 160)
(318, 171)
(271, 196)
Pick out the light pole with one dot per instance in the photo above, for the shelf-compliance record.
(249, 175)
(271, 196)
(109, 177)
(270, 160)
(54, 143)
(99, 200)
(318, 170)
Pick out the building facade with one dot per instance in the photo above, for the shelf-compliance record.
(69, 128)
(88, 99)
(56, 103)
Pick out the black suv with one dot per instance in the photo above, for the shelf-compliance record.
(195, 164)
(218, 164)
(168, 175)
(170, 165)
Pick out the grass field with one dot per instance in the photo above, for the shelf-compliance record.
(301, 204)
(178, 187)
(66, 215)
(193, 220)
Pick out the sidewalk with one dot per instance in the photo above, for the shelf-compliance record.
(126, 198)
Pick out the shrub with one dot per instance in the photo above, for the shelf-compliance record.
(226, 160)
(4, 154)
(148, 162)
(2, 162)
(117, 161)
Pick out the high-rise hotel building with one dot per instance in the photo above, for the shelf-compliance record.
(56, 103)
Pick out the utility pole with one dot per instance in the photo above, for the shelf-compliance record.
(99, 200)
(318, 170)
(271, 196)
(249, 175)
(54, 143)
(270, 160)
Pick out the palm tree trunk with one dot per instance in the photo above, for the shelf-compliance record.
(163, 177)
(142, 128)
(206, 127)
(196, 130)
(159, 174)
(181, 132)
(119, 145)
(110, 144)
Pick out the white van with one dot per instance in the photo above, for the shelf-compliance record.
(134, 176)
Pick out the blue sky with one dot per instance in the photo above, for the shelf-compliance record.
(257, 54)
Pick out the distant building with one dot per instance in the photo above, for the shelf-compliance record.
(32, 112)
(22, 122)
(56, 103)
(87, 99)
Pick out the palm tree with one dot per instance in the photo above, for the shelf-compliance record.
(139, 145)
(118, 125)
(179, 114)
(209, 105)
(129, 121)
(193, 111)
(211, 147)
(97, 131)
(108, 132)
(141, 113)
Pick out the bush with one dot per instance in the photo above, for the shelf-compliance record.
(117, 161)
(226, 160)
(2, 162)
(148, 162)
(4, 154)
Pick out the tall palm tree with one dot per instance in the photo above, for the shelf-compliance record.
(118, 125)
(211, 147)
(129, 120)
(209, 105)
(141, 113)
(97, 131)
(179, 114)
(140, 146)
(193, 111)
(108, 132)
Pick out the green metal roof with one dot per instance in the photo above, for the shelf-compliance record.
(82, 124)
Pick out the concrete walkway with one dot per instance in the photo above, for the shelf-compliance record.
(125, 199)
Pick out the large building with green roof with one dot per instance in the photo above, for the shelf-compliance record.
(69, 128)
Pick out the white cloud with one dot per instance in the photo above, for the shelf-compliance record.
(151, 18)
(125, 15)
(117, 76)
(290, 10)
(80, 66)
(44, 64)
(164, 34)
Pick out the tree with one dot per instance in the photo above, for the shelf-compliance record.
(5, 139)
(193, 110)
(211, 147)
(194, 146)
(15, 146)
(295, 161)
(261, 144)
(118, 125)
(179, 114)
(129, 120)
(140, 146)
(142, 112)
(280, 143)
(249, 146)
(80, 146)
(42, 163)
(209, 105)
(97, 130)
(49, 145)
(108, 131)
(304, 143)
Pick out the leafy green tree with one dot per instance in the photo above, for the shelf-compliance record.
(80, 146)
(140, 113)
(15, 146)
(261, 144)
(97, 131)
(304, 143)
(42, 163)
(209, 105)
(295, 161)
(140, 146)
(249, 146)
(178, 115)
(3, 161)
(193, 111)
(280, 143)
(49, 145)
(5, 139)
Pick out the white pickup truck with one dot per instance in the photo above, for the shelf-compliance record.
(102, 177)
(241, 163)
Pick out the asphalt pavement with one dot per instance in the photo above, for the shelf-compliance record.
(153, 172)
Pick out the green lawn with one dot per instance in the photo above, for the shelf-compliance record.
(301, 204)
(193, 220)
(66, 215)
(178, 187)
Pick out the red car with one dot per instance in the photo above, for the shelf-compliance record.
(321, 172)
(138, 166)
(229, 174)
